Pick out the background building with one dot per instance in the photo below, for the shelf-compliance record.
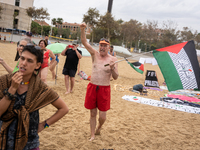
(18, 7)
(74, 27)
(41, 23)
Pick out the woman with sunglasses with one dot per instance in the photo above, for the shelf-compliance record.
(20, 47)
(45, 65)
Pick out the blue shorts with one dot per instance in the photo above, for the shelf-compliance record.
(56, 58)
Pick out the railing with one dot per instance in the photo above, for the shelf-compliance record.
(61, 38)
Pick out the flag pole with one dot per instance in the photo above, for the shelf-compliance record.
(125, 58)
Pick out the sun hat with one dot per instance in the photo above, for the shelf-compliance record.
(104, 41)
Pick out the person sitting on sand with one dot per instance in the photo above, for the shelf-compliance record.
(22, 94)
(98, 90)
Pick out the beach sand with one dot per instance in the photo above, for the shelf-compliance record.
(128, 126)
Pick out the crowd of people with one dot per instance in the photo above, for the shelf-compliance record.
(24, 90)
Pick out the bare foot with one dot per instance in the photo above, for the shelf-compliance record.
(67, 92)
(71, 91)
(97, 131)
(91, 139)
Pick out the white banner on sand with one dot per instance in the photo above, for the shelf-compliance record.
(157, 103)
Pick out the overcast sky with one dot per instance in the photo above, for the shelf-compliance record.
(181, 12)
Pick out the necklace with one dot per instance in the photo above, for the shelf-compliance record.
(24, 83)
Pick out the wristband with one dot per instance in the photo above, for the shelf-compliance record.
(46, 125)
(10, 96)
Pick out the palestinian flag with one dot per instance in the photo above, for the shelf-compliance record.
(137, 66)
(179, 66)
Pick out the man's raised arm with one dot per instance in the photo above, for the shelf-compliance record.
(84, 40)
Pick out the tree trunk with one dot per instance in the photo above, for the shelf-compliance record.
(123, 40)
(42, 29)
(131, 44)
(145, 47)
(108, 34)
(150, 45)
(126, 43)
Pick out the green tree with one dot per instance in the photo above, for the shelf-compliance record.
(54, 31)
(197, 39)
(116, 34)
(120, 21)
(186, 34)
(64, 32)
(98, 33)
(150, 33)
(35, 28)
(108, 23)
(53, 21)
(46, 30)
(170, 34)
(60, 31)
(31, 12)
(59, 21)
(132, 31)
(91, 18)
(40, 14)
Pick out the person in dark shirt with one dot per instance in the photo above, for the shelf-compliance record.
(70, 67)
(22, 94)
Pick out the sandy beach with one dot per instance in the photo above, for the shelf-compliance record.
(128, 126)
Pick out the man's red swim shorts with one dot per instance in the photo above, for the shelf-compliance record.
(97, 96)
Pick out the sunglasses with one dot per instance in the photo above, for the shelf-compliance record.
(103, 39)
(21, 46)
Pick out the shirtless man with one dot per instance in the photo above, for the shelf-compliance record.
(98, 90)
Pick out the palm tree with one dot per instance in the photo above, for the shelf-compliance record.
(59, 21)
(54, 21)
